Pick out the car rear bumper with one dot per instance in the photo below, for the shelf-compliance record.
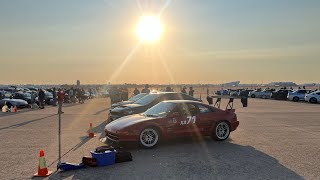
(234, 125)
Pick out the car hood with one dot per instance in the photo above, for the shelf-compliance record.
(16, 101)
(121, 103)
(126, 121)
(125, 107)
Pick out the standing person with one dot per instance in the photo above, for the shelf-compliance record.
(183, 90)
(78, 94)
(146, 89)
(191, 91)
(136, 91)
(41, 96)
(71, 94)
(54, 94)
(60, 100)
(207, 91)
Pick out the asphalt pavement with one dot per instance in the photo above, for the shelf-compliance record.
(275, 140)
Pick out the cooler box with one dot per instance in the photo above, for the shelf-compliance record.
(104, 159)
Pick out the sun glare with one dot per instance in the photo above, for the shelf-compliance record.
(149, 29)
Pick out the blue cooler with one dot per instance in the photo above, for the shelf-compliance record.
(104, 159)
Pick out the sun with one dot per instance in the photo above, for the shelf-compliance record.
(149, 29)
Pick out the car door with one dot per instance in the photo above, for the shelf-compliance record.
(186, 123)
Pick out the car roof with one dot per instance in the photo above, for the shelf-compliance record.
(183, 101)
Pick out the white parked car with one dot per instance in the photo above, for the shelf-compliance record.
(254, 93)
(265, 94)
(313, 97)
(298, 95)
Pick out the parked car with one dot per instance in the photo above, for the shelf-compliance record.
(48, 98)
(23, 96)
(171, 119)
(130, 101)
(245, 93)
(147, 102)
(265, 94)
(298, 95)
(313, 97)
(14, 102)
(254, 93)
(280, 94)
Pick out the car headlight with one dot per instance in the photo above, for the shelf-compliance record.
(128, 112)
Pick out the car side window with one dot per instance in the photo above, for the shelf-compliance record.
(318, 93)
(203, 109)
(187, 109)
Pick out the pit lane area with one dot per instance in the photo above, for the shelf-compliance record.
(275, 140)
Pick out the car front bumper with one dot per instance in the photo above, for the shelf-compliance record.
(234, 125)
(116, 140)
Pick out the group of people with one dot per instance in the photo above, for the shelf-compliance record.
(76, 95)
(118, 94)
(191, 91)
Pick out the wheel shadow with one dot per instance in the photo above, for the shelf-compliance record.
(191, 159)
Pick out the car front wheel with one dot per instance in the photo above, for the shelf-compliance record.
(295, 99)
(149, 138)
(221, 131)
(253, 96)
(313, 100)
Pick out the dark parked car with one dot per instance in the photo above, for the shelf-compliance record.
(245, 93)
(23, 96)
(14, 102)
(280, 94)
(147, 102)
(130, 101)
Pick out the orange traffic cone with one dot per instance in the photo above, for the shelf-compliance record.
(42, 168)
(90, 131)
(15, 109)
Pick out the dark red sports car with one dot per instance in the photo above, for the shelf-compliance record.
(167, 119)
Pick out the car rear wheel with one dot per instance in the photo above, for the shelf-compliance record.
(221, 131)
(149, 138)
(295, 99)
(313, 100)
(253, 96)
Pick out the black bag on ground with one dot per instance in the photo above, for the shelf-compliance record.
(123, 156)
(89, 161)
(102, 149)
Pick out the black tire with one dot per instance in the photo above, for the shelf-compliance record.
(149, 137)
(313, 100)
(295, 99)
(253, 96)
(218, 134)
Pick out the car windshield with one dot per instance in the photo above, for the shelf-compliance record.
(160, 110)
(27, 95)
(147, 99)
(137, 97)
(48, 94)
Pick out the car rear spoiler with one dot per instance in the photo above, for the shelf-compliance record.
(244, 101)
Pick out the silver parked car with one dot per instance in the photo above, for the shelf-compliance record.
(298, 95)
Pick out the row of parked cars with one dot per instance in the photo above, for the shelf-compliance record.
(311, 96)
(148, 119)
(23, 97)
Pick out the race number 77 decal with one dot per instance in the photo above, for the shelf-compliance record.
(190, 119)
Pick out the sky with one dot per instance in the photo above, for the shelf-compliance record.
(205, 41)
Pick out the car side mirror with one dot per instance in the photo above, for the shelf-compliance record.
(174, 114)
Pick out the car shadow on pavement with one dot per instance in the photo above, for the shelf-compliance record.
(101, 111)
(27, 122)
(190, 159)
